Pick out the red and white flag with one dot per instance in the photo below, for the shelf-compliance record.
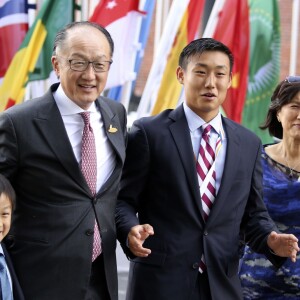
(13, 28)
(122, 19)
(232, 29)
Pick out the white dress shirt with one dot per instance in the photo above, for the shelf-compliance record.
(194, 123)
(7, 270)
(74, 126)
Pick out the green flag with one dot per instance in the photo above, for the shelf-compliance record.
(264, 66)
(52, 16)
(60, 13)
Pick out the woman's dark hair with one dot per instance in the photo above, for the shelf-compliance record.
(282, 95)
(7, 189)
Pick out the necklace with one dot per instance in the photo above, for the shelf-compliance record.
(291, 168)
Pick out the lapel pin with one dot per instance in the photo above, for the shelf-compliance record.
(112, 129)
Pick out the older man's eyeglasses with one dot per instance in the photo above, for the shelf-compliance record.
(292, 79)
(82, 65)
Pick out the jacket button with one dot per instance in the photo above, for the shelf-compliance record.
(205, 233)
(89, 232)
(195, 265)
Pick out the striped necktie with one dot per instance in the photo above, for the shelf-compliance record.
(89, 170)
(206, 174)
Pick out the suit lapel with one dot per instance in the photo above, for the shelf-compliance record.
(112, 127)
(51, 126)
(230, 166)
(181, 135)
(115, 135)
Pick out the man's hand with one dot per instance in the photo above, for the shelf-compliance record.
(285, 245)
(136, 237)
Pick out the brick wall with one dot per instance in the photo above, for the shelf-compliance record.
(286, 24)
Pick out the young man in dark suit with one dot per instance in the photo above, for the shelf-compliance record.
(191, 184)
(63, 153)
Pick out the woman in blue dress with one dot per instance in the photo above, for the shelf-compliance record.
(281, 178)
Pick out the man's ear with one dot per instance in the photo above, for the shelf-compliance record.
(55, 65)
(180, 75)
(230, 81)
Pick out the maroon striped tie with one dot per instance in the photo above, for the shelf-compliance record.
(89, 170)
(204, 163)
(205, 160)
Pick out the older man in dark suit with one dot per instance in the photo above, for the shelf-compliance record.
(63, 154)
(191, 186)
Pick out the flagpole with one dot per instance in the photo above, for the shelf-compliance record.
(294, 37)
(84, 10)
(158, 25)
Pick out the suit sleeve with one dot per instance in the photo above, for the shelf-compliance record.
(133, 180)
(8, 146)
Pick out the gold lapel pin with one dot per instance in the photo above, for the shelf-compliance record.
(112, 129)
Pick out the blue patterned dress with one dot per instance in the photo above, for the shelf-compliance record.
(260, 280)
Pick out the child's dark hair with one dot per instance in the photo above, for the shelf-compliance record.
(7, 189)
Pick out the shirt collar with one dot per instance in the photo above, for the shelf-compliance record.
(66, 106)
(1, 250)
(194, 121)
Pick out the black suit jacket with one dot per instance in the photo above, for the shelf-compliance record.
(17, 291)
(51, 238)
(159, 182)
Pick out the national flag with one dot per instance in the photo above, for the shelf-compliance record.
(170, 29)
(13, 28)
(265, 63)
(233, 30)
(149, 5)
(54, 22)
(49, 19)
(170, 89)
(122, 19)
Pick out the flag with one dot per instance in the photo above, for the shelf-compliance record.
(13, 28)
(166, 41)
(24, 61)
(265, 63)
(53, 23)
(170, 89)
(116, 92)
(122, 19)
(233, 30)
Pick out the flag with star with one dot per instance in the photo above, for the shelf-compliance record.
(122, 19)
(265, 64)
(233, 30)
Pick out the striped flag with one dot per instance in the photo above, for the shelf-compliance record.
(265, 64)
(233, 30)
(24, 61)
(116, 93)
(13, 28)
(170, 89)
(170, 29)
(122, 19)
